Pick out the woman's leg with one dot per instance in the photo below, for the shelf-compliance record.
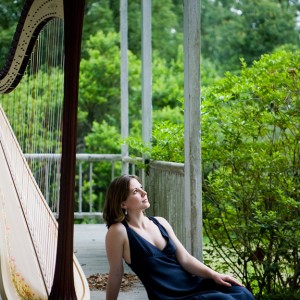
(213, 291)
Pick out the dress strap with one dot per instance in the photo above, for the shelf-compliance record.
(154, 220)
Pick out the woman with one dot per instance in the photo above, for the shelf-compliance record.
(152, 250)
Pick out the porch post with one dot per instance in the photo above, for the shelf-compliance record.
(124, 81)
(193, 196)
(146, 74)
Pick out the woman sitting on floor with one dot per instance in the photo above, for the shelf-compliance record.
(152, 250)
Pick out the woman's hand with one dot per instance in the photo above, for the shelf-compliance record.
(225, 280)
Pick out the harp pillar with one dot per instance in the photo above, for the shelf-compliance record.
(63, 283)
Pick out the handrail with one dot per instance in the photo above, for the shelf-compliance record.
(79, 156)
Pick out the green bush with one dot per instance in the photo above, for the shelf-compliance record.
(251, 159)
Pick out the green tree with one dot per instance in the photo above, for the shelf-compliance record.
(99, 94)
(245, 29)
(10, 12)
(98, 17)
(167, 141)
(166, 32)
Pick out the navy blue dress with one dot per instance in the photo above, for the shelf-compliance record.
(165, 279)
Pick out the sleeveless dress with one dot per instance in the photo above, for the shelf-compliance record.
(165, 279)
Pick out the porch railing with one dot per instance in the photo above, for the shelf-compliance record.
(45, 166)
(165, 187)
(164, 182)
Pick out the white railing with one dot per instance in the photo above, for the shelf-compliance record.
(164, 182)
(45, 168)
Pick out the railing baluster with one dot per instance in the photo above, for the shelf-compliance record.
(113, 170)
(80, 188)
(47, 183)
(91, 187)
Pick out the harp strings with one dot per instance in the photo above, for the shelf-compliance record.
(34, 110)
(48, 113)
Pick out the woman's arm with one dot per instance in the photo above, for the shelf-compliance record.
(193, 265)
(114, 243)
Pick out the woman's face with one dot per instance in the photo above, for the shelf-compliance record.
(137, 199)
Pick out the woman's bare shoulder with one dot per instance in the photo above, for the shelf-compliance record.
(116, 230)
(163, 221)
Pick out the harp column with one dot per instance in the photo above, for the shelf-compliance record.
(63, 283)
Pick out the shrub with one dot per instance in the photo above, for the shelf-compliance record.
(251, 166)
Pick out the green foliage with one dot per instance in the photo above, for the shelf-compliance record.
(167, 142)
(104, 139)
(5, 37)
(245, 29)
(165, 28)
(98, 16)
(250, 146)
(230, 30)
(99, 94)
(167, 81)
(173, 115)
(99, 78)
(99, 97)
(10, 12)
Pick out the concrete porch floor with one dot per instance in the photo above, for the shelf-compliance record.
(89, 248)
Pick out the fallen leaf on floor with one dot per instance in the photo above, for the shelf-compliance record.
(99, 281)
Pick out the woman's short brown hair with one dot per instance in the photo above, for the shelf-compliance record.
(117, 192)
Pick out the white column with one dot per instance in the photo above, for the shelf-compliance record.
(193, 196)
(124, 79)
(146, 73)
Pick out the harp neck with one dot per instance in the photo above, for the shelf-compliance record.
(35, 15)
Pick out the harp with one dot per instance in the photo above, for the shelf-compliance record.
(36, 251)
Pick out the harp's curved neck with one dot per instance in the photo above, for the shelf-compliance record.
(35, 15)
